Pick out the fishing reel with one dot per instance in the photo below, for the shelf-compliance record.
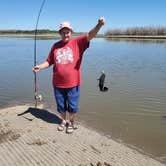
(38, 97)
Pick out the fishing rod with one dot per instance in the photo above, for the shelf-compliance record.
(37, 97)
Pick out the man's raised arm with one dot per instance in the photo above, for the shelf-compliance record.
(92, 33)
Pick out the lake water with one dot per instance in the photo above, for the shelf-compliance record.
(132, 111)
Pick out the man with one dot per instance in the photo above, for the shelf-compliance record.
(66, 56)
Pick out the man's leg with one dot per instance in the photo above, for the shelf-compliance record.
(71, 117)
(63, 116)
(61, 106)
(73, 96)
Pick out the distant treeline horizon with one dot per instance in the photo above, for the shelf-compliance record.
(138, 31)
(133, 31)
(31, 32)
(39, 31)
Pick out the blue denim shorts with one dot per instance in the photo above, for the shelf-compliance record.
(67, 99)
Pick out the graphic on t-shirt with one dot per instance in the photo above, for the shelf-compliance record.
(64, 56)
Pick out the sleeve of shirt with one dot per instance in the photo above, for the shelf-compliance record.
(50, 58)
(83, 43)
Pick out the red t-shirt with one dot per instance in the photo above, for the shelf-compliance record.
(66, 58)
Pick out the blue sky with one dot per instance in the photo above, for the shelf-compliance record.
(83, 14)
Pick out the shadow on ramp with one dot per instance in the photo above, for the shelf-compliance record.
(41, 114)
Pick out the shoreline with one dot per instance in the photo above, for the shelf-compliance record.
(46, 36)
(34, 130)
(136, 37)
(108, 37)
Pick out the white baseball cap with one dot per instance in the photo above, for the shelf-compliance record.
(65, 25)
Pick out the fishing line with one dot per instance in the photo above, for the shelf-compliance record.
(36, 95)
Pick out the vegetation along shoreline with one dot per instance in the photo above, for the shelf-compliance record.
(129, 33)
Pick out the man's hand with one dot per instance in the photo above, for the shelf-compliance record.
(101, 21)
(36, 69)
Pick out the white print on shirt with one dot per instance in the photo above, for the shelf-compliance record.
(64, 56)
